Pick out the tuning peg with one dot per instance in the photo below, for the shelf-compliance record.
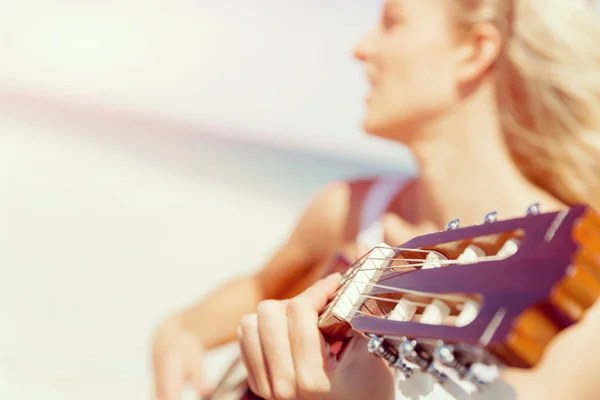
(482, 375)
(406, 347)
(404, 371)
(438, 375)
(374, 344)
(409, 351)
(444, 354)
(490, 217)
(533, 209)
(454, 224)
(380, 347)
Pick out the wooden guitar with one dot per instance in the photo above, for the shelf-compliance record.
(459, 305)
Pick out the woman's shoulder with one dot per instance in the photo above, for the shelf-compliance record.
(334, 211)
(355, 198)
(353, 192)
(362, 186)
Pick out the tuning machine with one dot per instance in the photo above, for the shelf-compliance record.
(490, 217)
(380, 347)
(404, 348)
(454, 224)
(410, 351)
(533, 209)
(447, 356)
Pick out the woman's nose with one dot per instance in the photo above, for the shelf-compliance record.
(364, 48)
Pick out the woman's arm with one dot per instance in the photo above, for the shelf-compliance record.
(294, 267)
(570, 368)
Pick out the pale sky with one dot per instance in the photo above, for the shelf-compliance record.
(280, 70)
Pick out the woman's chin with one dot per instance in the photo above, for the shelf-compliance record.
(385, 130)
(374, 126)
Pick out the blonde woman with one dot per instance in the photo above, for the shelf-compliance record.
(499, 100)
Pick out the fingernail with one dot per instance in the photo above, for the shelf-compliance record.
(245, 320)
(337, 275)
(249, 320)
(362, 248)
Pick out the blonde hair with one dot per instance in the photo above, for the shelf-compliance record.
(548, 77)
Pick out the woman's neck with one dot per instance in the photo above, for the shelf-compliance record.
(466, 171)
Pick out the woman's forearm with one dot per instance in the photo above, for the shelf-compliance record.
(215, 318)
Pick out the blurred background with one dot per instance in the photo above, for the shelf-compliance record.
(150, 151)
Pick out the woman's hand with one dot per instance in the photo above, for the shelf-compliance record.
(177, 358)
(287, 357)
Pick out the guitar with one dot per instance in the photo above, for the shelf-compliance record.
(458, 306)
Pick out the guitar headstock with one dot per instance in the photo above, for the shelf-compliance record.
(493, 294)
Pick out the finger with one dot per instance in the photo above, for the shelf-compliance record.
(310, 353)
(319, 294)
(250, 378)
(253, 350)
(361, 249)
(169, 382)
(274, 338)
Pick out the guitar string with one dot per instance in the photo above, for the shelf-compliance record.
(352, 274)
(454, 298)
(385, 299)
(342, 291)
(442, 263)
(350, 278)
(417, 262)
(366, 257)
(447, 297)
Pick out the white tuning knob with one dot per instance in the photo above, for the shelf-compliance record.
(404, 311)
(469, 312)
(470, 255)
(509, 248)
(485, 373)
(434, 260)
(435, 313)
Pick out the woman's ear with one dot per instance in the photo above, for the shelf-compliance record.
(478, 52)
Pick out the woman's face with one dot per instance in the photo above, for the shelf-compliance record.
(410, 58)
